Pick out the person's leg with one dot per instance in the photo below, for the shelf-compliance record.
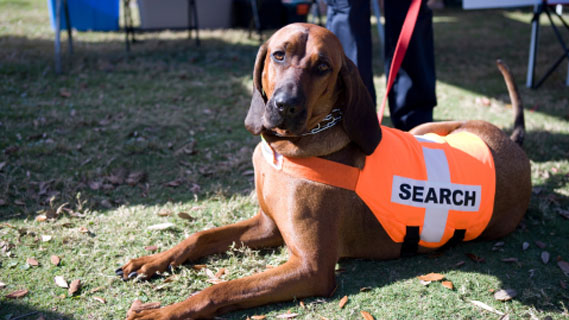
(412, 97)
(350, 22)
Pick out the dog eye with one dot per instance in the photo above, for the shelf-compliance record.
(322, 67)
(278, 55)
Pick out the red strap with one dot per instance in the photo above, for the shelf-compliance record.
(400, 49)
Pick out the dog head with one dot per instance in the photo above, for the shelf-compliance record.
(301, 73)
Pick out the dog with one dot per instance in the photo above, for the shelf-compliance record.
(310, 103)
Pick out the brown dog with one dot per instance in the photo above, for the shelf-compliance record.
(301, 75)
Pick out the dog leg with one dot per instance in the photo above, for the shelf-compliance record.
(257, 232)
(294, 279)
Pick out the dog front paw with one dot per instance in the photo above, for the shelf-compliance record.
(145, 267)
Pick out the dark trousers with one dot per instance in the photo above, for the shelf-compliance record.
(412, 97)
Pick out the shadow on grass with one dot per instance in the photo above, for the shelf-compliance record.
(20, 311)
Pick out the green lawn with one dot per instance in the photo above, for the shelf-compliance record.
(121, 142)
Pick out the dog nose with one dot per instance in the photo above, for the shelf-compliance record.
(286, 104)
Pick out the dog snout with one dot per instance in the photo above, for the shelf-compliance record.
(286, 104)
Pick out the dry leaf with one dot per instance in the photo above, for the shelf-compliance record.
(198, 267)
(363, 289)
(545, 257)
(486, 307)
(55, 260)
(83, 230)
(499, 244)
(41, 218)
(220, 272)
(161, 226)
(164, 213)
(185, 216)
(323, 318)
(215, 281)
(210, 274)
(32, 262)
(511, 259)
(301, 303)
(64, 92)
(258, 317)
(475, 258)
(448, 285)
(74, 287)
(2, 285)
(563, 213)
(60, 282)
(343, 302)
(99, 299)
(45, 238)
(505, 294)
(561, 283)
(151, 248)
(540, 244)
(135, 178)
(17, 294)
(174, 183)
(459, 264)
(431, 277)
(564, 266)
(525, 246)
(367, 315)
(287, 315)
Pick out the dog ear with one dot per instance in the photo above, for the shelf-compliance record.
(360, 117)
(254, 119)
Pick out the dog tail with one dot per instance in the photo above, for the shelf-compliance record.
(519, 124)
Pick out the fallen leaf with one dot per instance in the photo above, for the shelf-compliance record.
(258, 317)
(210, 274)
(161, 226)
(220, 272)
(287, 315)
(511, 259)
(64, 92)
(60, 282)
(562, 284)
(99, 299)
(17, 294)
(525, 246)
(459, 264)
(74, 287)
(95, 185)
(343, 302)
(448, 285)
(198, 267)
(486, 307)
(505, 294)
(2, 165)
(540, 244)
(564, 266)
(135, 178)
(151, 248)
(32, 262)
(545, 257)
(83, 230)
(45, 238)
(364, 289)
(475, 258)
(324, 318)
(563, 213)
(2, 285)
(301, 303)
(41, 218)
(55, 260)
(431, 277)
(185, 216)
(499, 244)
(366, 315)
(174, 183)
(164, 213)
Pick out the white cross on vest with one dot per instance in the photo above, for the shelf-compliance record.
(437, 194)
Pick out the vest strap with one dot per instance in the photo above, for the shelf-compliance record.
(410, 242)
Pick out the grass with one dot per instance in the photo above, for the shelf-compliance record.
(169, 117)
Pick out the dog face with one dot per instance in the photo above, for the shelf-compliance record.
(300, 75)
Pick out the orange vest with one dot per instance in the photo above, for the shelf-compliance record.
(440, 184)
